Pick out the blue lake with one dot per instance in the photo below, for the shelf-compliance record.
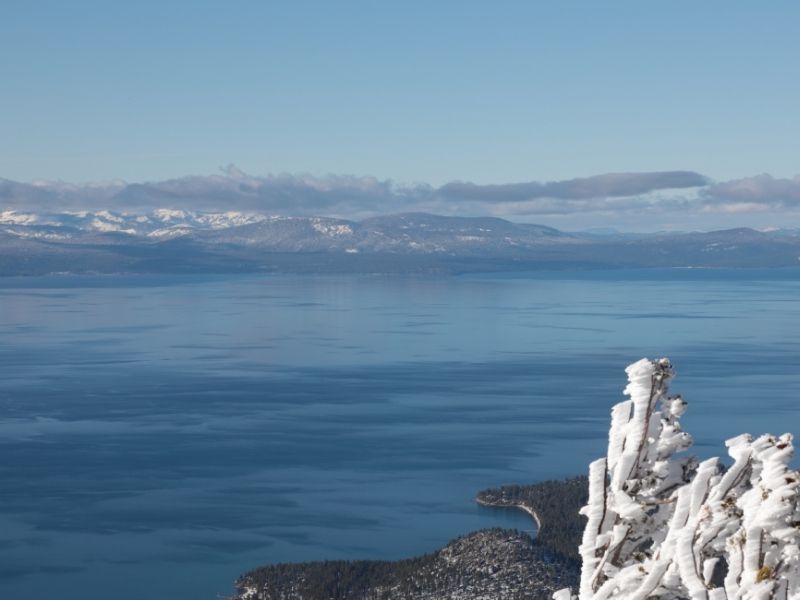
(160, 436)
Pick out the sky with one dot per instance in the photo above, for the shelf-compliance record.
(414, 95)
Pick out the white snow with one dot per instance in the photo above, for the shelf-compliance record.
(106, 227)
(171, 232)
(659, 526)
(37, 235)
(157, 223)
(11, 217)
(229, 219)
(332, 229)
(166, 215)
(108, 216)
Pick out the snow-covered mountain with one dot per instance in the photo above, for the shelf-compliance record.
(167, 240)
(162, 222)
(408, 233)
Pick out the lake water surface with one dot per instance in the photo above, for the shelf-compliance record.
(160, 436)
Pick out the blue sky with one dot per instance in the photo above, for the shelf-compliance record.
(430, 92)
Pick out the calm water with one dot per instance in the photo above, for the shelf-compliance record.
(161, 437)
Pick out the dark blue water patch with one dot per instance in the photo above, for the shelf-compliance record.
(11, 572)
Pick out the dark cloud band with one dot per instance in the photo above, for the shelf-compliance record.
(609, 185)
(356, 197)
(764, 190)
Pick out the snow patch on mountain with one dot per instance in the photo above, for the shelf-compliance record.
(37, 234)
(166, 233)
(167, 215)
(12, 217)
(332, 229)
(109, 226)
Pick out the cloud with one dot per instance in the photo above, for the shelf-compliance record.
(635, 200)
(344, 195)
(609, 185)
(231, 190)
(759, 192)
(57, 195)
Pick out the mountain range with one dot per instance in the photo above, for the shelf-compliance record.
(179, 241)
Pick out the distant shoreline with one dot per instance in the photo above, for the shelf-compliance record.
(444, 269)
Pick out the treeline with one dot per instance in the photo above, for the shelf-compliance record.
(501, 564)
(492, 563)
(338, 579)
(556, 502)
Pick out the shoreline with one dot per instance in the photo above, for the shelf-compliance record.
(537, 519)
(519, 559)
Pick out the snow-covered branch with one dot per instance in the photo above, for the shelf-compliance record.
(663, 526)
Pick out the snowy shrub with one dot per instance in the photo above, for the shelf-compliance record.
(668, 527)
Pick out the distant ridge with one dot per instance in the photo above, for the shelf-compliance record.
(178, 241)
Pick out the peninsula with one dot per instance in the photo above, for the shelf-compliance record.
(499, 564)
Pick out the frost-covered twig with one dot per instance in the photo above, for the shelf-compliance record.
(661, 526)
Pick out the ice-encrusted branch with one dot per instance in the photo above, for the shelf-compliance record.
(662, 526)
